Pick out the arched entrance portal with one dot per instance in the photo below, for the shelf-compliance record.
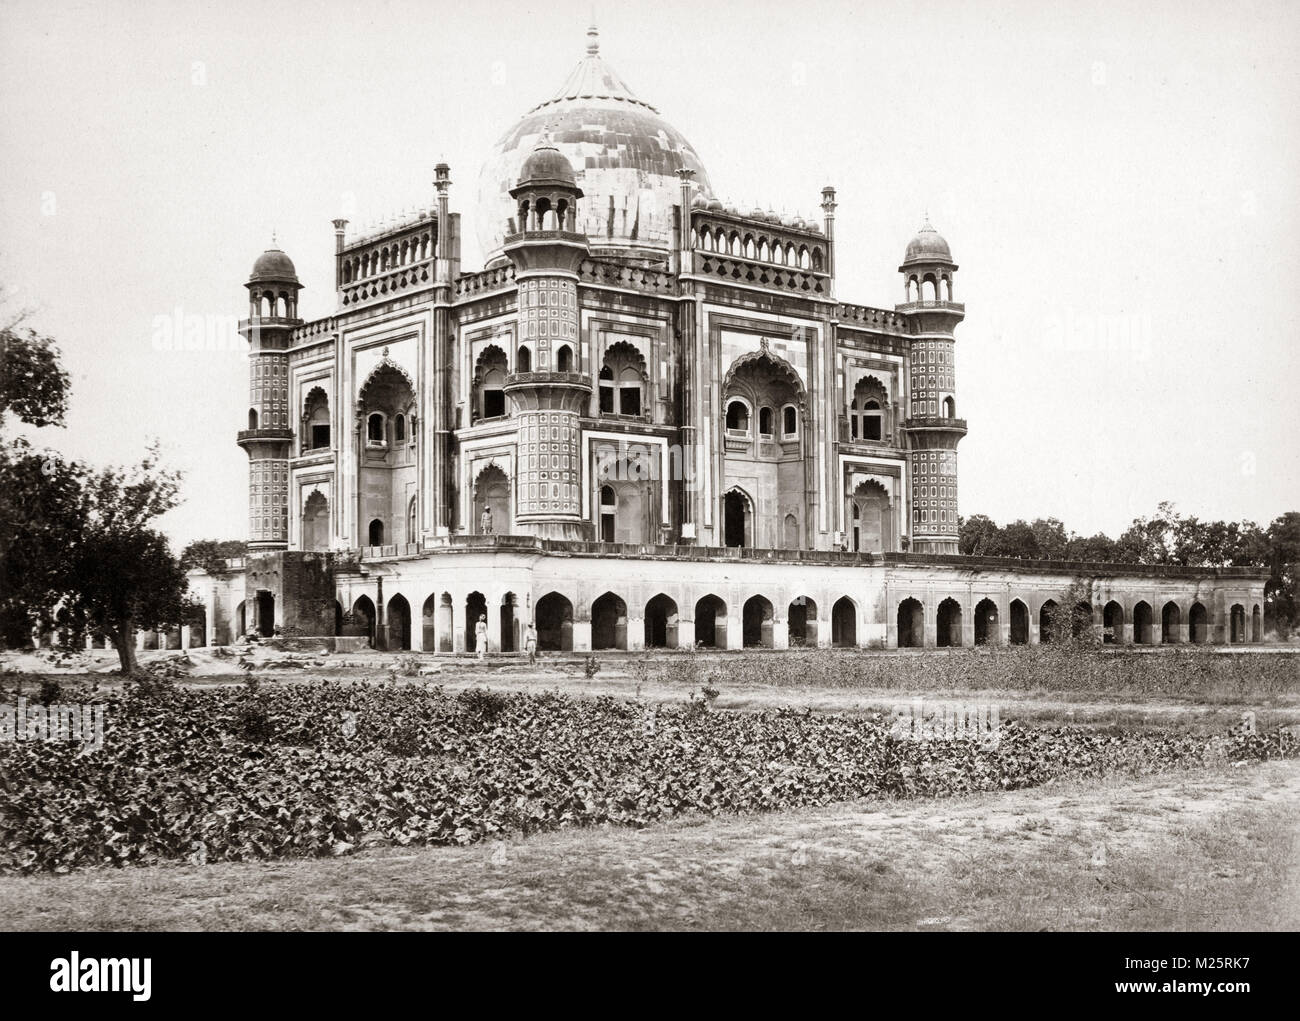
(1047, 622)
(1112, 623)
(947, 630)
(911, 624)
(429, 624)
(509, 623)
(554, 619)
(757, 621)
(801, 622)
(1171, 619)
(316, 522)
(1142, 623)
(1198, 624)
(491, 495)
(986, 622)
(870, 518)
(475, 609)
(1019, 623)
(1237, 624)
(661, 623)
(363, 619)
(399, 623)
(711, 623)
(609, 622)
(737, 519)
(844, 623)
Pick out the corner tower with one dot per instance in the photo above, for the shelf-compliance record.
(932, 428)
(552, 382)
(272, 315)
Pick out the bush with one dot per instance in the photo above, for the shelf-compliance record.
(590, 667)
(253, 721)
(51, 691)
(406, 666)
(484, 704)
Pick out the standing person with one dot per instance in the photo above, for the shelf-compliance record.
(485, 521)
(480, 636)
(530, 643)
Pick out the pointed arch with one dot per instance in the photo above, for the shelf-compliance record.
(375, 380)
(661, 622)
(758, 360)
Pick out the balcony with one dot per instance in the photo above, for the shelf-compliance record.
(936, 423)
(955, 307)
(548, 378)
(259, 435)
(546, 237)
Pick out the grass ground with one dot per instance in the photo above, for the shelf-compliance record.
(1205, 850)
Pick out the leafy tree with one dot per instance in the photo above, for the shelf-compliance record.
(1281, 604)
(127, 578)
(1018, 540)
(42, 519)
(1098, 549)
(1151, 540)
(33, 384)
(1051, 539)
(979, 536)
(77, 546)
(80, 541)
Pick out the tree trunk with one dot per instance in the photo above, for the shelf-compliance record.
(124, 642)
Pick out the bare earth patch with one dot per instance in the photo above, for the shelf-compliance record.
(1203, 850)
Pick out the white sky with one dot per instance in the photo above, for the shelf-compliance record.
(1119, 186)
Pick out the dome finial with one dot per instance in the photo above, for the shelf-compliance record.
(593, 36)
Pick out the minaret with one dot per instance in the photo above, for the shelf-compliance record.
(272, 315)
(549, 384)
(932, 428)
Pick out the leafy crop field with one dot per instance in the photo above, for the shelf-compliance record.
(236, 774)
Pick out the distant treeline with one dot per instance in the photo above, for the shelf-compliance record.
(1165, 538)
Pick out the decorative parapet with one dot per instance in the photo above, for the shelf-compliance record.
(632, 278)
(758, 274)
(489, 281)
(835, 558)
(392, 262)
(717, 232)
(317, 329)
(877, 319)
(382, 286)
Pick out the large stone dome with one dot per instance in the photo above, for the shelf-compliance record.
(623, 153)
